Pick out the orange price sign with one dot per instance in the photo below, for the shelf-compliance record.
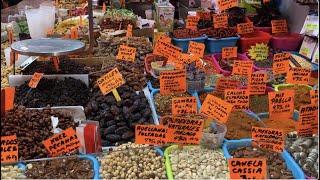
(242, 68)
(204, 15)
(192, 22)
(245, 28)
(281, 63)
(49, 32)
(224, 83)
(299, 75)
(257, 83)
(279, 26)
(184, 105)
(56, 63)
(226, 4)
(62, 143)
(104, 7)
(166, 49)
(238, 97)
(268, 138)
(173, 82)
(216, 108)
(151, 134)
(314, 96)
(308, 120)
(129, 30)
(196, 48)
(247, 168)
(229, 52)
(74, 33)
(10, 36)
(185, 130)
(281, 104)
(220, 20)
(110, 81)
(7, 99)
(35, 80)
(9, 149)
(126, 53)
(183, 59)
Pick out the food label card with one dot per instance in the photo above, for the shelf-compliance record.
(229, 52)
(204, 15)
(242, 68)
(268, 138)
(257, 83)
(226, 4)
(173, 82)
(110, 81)
(150, 134)
(281, 63)
(247, 168)
(129, 31)
(308, 120)
(9, 149)
(245, 28)
(163, 48)
(62, 143)
(196, 48)
(299, 75)
(192, 22)
(216, 108)
(220, 20)
(35, 80)
(314, 96)
(184, 105)
(126, 53)
(281, 104)
(238, 97)
(279, 26)
(225, 83)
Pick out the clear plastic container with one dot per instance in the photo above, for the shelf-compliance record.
(214, 140)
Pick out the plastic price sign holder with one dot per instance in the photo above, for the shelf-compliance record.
(220, 20)
(281, 104)
(47, 47)
(151, 134)
(268, 138)
(242, 68)
(299, 75)
(166, 49)
(10, 36)
(247, 168)
(279, 26)
(281, 63)
(238, 97)
(307, 124)
(110, 81)
(314, 96)
(9, 149)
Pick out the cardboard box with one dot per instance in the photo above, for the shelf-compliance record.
(164, 17)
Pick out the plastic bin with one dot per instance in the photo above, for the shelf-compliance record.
(216, 57)
(291, 164)
(184, 43)
(248, 40)
(286, 41)
(214, 45)
(263, 29)
(264, 115)
(213, 141)
(276, 87)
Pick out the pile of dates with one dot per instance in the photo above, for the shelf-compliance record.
(53, 92)
(118, 119)
(236, 15)
(31, 128)
(219, 33)
(265, 15)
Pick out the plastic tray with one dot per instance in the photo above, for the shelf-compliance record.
(184, 43)
(286, 42)
(149, 97)
(291, 164)
(263, 29)
(264, 115)
(314, 67)
(214, 45)
(216, 57)
(276, 87)
(248, 40)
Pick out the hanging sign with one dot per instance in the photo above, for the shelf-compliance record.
(229, 52)
(281, 104)
(281, 63)
(299, 75)
(307, 124)
(216, 108)
(245, 28)
(258, 83)
(36, 77)
(9, 149)
(226, 4)
(268, 138)
(110, 81)
(126, 53)
(279, 26)
(247, 168)
(238, 97)
(196, 49)
(62, 143)
(184, 105)
(151, 134)
(173, 82)
(220, 20)
(242, 68)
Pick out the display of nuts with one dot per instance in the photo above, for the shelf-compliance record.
(12, 172)
(31, 128)
(195, 162)
(276, 166)
(61, 168)
(164, 102)
(53, 92)
(132, 161)
(5, 72)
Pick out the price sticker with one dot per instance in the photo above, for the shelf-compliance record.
(151, 134)
(192, 22)
(268, 138)
(226, 4)
(110, 81)
(129, 30)
(247, 168)
(74, 33)
(242, 68)
(216, 108)
(245, 28)
(229, 52)
(167, 50)
(173, 82)
(279, 26)
(9, 149)
(238, 97)
(299, 75)
(62, 143)
(196, 49)
(314, 96)
(220, 20)
(224, 83)
(184, 105)
(36, 77)
(281, 104)
(185, 130)
(126, 53)
(281, 63)
(258, 83)
(308, 120)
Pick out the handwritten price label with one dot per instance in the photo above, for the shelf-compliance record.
(192, 22)
(110, 81)
(245, 28)
(238, 97)
(126, 53)
(173, 82)
(314, 96)
(242, 68)
(258, 83)
(35, 80)
(7, 99)
(299, 75)
(9, 149)
(220, 20)
(196, 48)
(247, 168)
(268, 138)
(129, 31)
(151, 134)
(279, 26)
(166, 49)
(308, 120)
(281, 63)
(184, 105)
(226, 4)
(224, 83)
(281, 104)
(229, 52)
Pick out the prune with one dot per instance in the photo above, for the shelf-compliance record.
(121, 130)
(113, 137)
(110, 130)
